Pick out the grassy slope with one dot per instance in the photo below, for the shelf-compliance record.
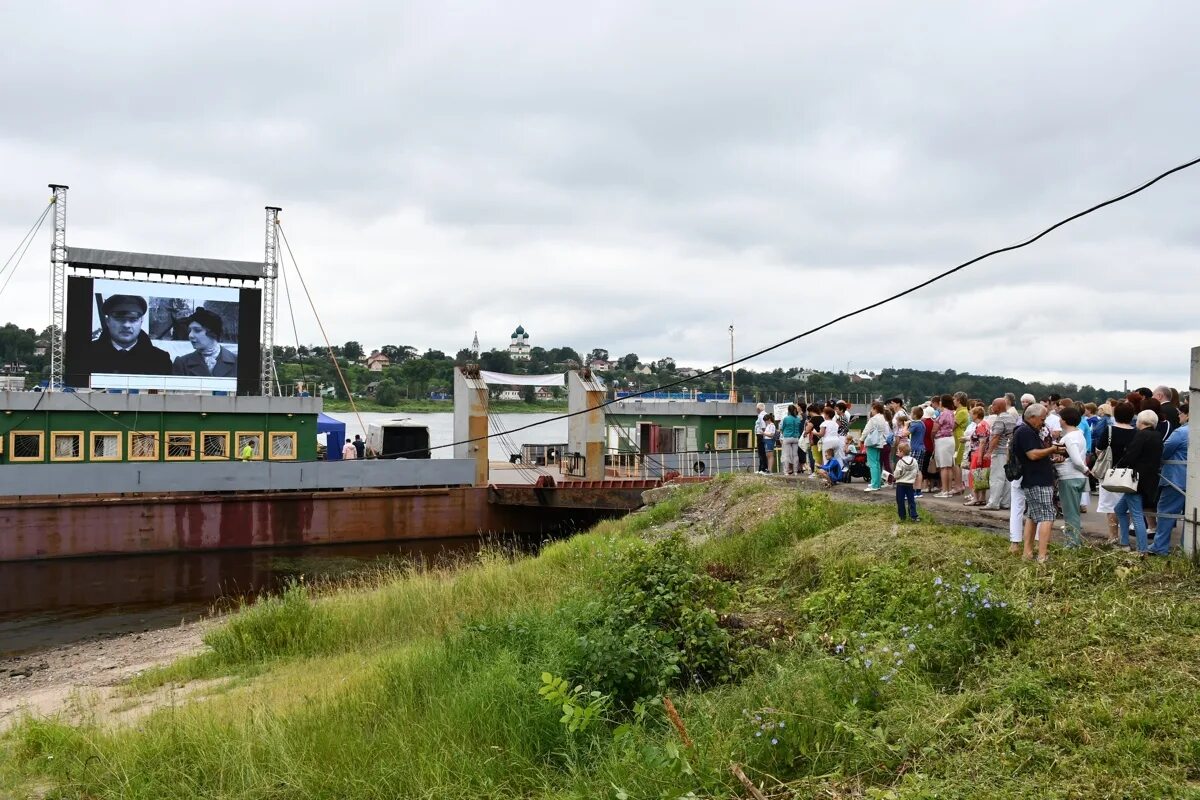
(447, 406)
(1085, 683)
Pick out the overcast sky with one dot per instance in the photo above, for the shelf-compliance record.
(639, 176)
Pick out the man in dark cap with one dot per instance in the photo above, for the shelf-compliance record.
(123, 348)
(205, 330)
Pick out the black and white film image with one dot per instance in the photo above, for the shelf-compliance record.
(185, 336)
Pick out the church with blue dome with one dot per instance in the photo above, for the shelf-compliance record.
(518, 346)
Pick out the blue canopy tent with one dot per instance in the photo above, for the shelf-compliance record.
(332, 434)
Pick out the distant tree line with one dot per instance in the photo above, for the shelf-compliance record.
(413, 374)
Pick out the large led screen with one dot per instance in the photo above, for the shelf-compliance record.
(124, 334)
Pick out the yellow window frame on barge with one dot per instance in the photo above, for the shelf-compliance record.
(12, 446)
(155, 440)
(116, 437)
(287, 436)
(190, 442)
(79, 445)
(204, 437)
(258, 448)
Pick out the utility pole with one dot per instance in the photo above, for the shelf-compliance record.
(732, 369)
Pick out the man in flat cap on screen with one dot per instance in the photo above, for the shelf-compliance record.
(123, 347)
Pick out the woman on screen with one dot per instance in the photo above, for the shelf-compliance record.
(209, 358)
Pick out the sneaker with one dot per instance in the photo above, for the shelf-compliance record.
(871, 489)
(917, 494)
(944, 494)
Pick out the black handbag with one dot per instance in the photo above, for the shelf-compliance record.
(1013, 468)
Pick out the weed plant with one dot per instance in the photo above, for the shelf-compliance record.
(867, 661)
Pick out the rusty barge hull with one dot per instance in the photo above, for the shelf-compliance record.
(120, 525)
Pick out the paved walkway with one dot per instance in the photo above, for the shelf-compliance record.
(951, 511)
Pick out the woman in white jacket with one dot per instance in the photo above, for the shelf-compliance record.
(1073, 473)
(875, 438)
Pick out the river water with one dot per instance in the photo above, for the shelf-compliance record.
(59, 601)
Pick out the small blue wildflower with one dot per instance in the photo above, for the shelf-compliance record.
(862, 649)
(967, 562)
(774, 741)
(911, 647)
(1037, 622)
(783, 724)
(757, 733)
(1003, 604)
(937, 581)
(886, 678)
(840, 648)
(899, 662)
(929, 626)
(867, 663)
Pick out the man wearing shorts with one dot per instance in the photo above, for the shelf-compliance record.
(1037, 480)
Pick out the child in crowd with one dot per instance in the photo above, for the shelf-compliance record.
(916, 442)
(907, 473)
(831, 471)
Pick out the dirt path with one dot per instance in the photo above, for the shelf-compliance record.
(86, 675)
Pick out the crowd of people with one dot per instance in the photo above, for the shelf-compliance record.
(1037, 460)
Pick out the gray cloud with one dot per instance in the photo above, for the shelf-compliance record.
(640, 176)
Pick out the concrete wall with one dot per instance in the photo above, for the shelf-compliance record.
(228, 476)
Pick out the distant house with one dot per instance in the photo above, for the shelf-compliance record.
(803, 375)
(371, 387)
(40, 347)
(688, 372)
(861, 377)
(599, 365)
(643, 369)
(510, 394)
(543, 394)
(377, 361)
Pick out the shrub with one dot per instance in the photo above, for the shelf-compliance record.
(653, 627)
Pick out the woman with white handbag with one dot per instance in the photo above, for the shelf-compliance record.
(1114, 440)
(1135, 476)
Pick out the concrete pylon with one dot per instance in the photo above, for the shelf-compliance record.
(1191, 507)
(585, 432)
(471, 419)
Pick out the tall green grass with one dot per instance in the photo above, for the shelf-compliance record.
(922, 662)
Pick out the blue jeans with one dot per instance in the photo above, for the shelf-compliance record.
(1170, 501)
(1130, 505)
(875, 462)
(906, 496)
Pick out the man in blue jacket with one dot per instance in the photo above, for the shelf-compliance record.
(1173, 483)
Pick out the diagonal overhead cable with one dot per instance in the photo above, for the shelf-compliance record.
(862, 310)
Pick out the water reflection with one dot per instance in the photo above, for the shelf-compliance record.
(48, 603)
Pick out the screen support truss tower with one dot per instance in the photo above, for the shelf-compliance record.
(58, 285)
(270, 272)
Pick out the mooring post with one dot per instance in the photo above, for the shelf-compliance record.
(1193, 462)
(471, 420)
